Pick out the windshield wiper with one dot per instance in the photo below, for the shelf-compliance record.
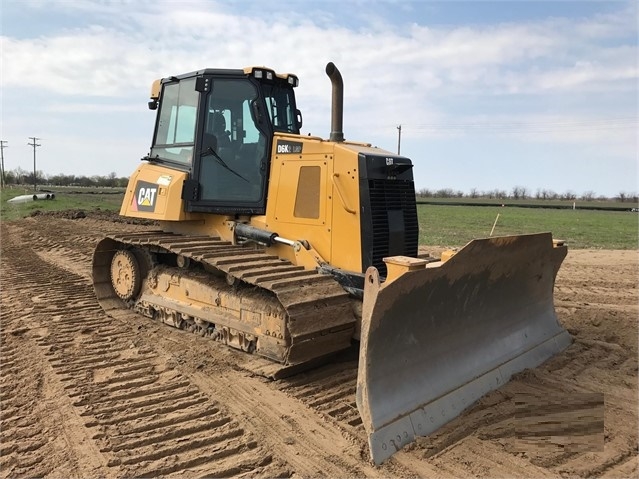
(211, 151)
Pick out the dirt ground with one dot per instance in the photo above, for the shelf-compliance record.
(83, 394)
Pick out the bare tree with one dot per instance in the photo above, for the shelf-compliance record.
(444, 193)
(625, 196)
(20, 175)
(499, 194)
(111, 179)
(519, 193)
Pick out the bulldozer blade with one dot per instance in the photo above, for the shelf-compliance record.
(437, 339)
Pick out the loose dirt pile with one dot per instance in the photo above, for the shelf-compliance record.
(96, 214)
(83, 394)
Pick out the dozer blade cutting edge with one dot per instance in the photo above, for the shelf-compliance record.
(435, 340)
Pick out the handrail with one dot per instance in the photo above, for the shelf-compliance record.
(341, 195)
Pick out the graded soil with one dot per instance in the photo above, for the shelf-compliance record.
(84, 394)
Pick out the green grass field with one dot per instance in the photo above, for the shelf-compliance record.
(440, 225)
(65, 199)
(454, 226)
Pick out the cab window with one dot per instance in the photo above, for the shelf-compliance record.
(280, 104)
(175, 134)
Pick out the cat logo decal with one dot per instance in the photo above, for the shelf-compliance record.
(145, 196)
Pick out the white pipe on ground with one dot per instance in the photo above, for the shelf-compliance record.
(27, 198)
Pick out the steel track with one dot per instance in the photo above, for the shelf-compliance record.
(320, 317)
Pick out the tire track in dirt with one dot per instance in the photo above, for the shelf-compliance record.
(37, 436)
(22, 448)
(71, 241)
(146, 417)
(481, 442)
(330, 391)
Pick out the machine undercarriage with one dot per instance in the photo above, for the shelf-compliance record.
(238, 295)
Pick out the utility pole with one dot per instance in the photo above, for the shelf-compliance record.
(3, 180)
(34, 145)
(399, 138)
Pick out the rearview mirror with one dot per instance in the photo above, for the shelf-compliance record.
(298, 119)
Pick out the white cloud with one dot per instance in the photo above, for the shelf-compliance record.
(107, 59)
(585, 73)
(84, 107)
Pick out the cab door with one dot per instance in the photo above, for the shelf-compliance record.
(231, 161)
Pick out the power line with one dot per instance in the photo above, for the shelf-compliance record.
(34, 145)
(3, 180)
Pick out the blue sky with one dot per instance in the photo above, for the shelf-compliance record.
(490, 95)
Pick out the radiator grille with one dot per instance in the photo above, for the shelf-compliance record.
(392, 199)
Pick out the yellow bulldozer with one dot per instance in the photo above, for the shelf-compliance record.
(295, 247)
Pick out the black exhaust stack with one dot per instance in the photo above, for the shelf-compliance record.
(337, 107)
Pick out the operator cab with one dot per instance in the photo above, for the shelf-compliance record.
(218, 125)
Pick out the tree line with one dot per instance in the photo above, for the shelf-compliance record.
(523, 193)
(19, 176)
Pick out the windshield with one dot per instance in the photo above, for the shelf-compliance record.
(280, 103)
(175, 133)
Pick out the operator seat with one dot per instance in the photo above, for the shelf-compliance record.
(219, 130)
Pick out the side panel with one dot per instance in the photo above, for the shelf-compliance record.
(346, 248)
(299, 199)
(154, 192)
(302, 194)
(361, 210)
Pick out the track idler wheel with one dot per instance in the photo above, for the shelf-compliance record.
(126, 277)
